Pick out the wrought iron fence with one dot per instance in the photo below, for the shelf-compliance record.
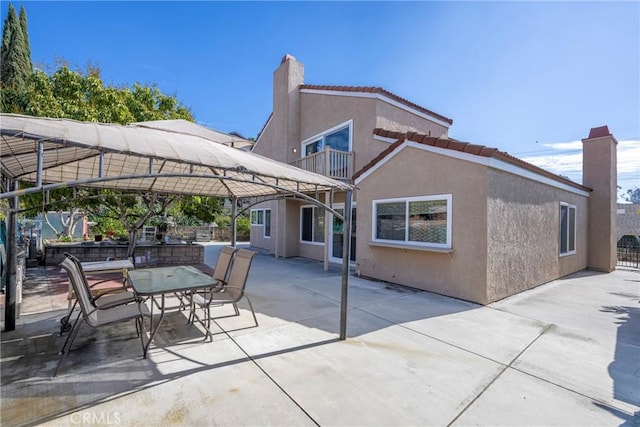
(629, 257)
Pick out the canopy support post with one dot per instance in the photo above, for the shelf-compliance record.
(11, 286)
(234, 209)
(39, 164)
(327, 244)
(346, 251)
(101, 164)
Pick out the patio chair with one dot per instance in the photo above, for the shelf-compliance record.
(95, 316)
(220, 273)
(230, 293)
(106, 299)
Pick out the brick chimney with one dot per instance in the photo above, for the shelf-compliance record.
(286, 108)
(599, 172)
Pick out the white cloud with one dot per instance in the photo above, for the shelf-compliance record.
(573, 145)
(629, 157)
(567, 161)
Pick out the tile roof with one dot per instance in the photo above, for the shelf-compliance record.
(381, 91)
(464, 147)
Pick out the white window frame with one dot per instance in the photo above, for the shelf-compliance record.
(406, 241)
(313, 224)
(259, 219)
(569, 208)
(321, 135)
(264, 224)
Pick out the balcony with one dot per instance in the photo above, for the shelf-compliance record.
(328, 162)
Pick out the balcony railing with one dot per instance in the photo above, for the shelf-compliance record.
(328, 162)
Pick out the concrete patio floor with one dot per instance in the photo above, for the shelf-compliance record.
(566, 353)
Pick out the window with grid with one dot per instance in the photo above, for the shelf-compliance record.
(257, 216)
(422, 221)
(262, 217)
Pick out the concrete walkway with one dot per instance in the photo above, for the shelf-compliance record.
(566, 353)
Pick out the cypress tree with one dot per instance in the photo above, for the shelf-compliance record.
(15, 52)
(27, 44)
(10, 26)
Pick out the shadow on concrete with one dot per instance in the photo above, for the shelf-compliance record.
(300, 290)
(106, 363)
(627, 420)
(625, 367)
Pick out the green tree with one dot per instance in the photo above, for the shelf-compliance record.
(633, 195)
(132, 210)
(25, 35)
(15, 52)
(81, 95)
(198, 208)
(64, 203)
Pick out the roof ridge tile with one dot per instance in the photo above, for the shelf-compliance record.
(464, 147)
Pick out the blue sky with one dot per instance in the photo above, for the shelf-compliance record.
(530, 78)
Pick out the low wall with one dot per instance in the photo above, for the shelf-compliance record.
(206, 234)
(90, 251)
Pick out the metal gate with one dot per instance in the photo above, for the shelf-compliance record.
(629, 257)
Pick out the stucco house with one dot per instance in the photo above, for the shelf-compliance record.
(430, 212)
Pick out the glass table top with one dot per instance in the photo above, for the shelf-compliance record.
(149, 281)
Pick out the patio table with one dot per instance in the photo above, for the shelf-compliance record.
(156, 283)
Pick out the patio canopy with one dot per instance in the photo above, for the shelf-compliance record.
(187, 127)
(172, 157)
(149, 156)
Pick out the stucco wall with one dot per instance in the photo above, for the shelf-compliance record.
(258, 239)
(320, 112)
(393, 118)
(264, 146)
(599, 173)
(523, 232)
(291, 228)
(462, 273)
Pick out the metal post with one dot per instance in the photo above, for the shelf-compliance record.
(276, 228)
(101, 164)
(327, 244)
(234, 211)
(12, 261)
(39, 164)
(346, 251)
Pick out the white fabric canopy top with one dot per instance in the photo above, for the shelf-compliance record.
(165, 157)
(187, 127)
